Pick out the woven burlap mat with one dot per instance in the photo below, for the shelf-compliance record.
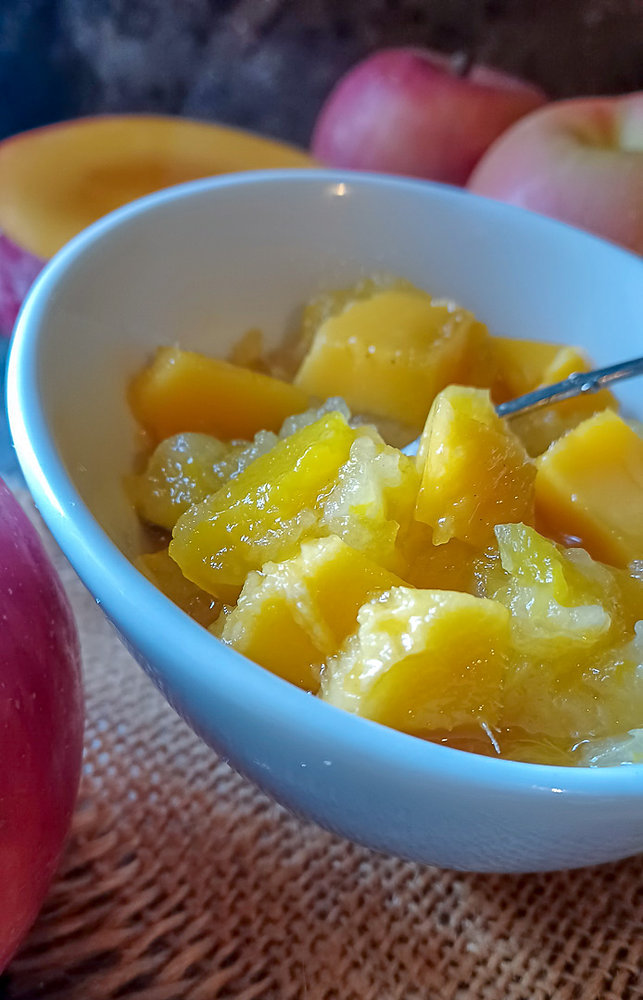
(181, 881)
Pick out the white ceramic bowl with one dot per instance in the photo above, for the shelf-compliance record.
(200, 264)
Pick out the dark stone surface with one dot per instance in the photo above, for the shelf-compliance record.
(268, 64)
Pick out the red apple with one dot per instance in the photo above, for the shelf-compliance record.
(41, 722)
(408, 111)
(56, 180)
(580, 161)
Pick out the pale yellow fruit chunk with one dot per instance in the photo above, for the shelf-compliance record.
(475, 472)
(388, 355)
(423, 661)
(291, 616)
(589, 487)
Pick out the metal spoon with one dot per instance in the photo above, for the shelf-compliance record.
(577, 384)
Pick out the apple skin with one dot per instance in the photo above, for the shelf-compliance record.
(580, 161)
(18, 270)
(407, 111)
(41, 722)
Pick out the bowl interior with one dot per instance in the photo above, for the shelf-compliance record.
(201, 264)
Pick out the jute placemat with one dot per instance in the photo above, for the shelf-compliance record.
(181, 881)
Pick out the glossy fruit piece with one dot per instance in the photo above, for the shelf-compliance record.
(292, 616)
(475, 472)
(387, 355)
(56, 180)
(589, 487)
(262, 514)
(41, 722)
(183, 470)
(575, 668)
(185, 391)
(164, 573)
(538, 429)
(371, 504)
(423, 661)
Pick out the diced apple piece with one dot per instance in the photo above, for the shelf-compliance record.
(372, 501)
(263, 513)
(183, 470)
(166, 575)
(423, 661)
(185, 391)
(589, 487)
(291, 616)
(388, 355)
(475, 472)
(575, 670)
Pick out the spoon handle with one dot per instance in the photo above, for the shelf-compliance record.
(577, 384)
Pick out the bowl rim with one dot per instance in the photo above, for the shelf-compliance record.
(122, 590)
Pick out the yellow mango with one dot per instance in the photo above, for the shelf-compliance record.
(387, 355)
(589, 488)
(475, 472)
(183, 470)
(292, 615)
(522, 364)
(423, 661)
(537, 430)
(166, 575)
(263, 513)
(185, 391)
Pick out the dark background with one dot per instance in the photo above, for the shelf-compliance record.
(268, 64)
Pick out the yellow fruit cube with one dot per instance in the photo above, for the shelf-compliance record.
(589, 487)
(185, 391)
(522, 364)
(183, 470)
(387, 355)
(475, 472)
(166, 575)
(537, 430)
(423, 661)
(291, 616)
(263, 513)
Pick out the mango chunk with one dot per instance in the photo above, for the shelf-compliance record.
(185, 391)
(475, 472)
(166, 575)
(263, 513)
(537, 430)
(522, 364)
(183, 470)
(291, 616)
(388, 355)
(423, 661)
(589, 488)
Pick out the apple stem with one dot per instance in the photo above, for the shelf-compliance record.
(462, 62)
